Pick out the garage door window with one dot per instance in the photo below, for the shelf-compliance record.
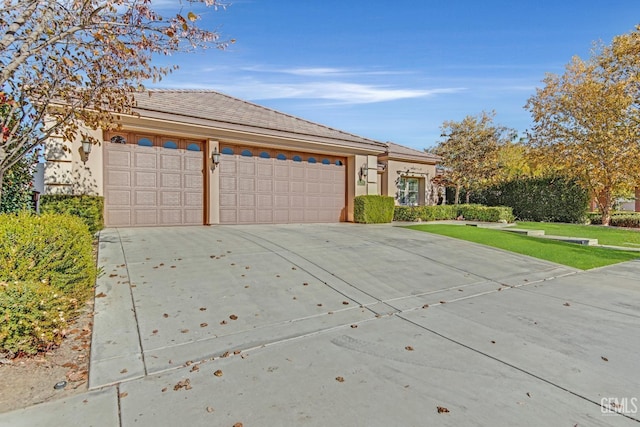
(193, 147)
(145, 142)
(227, 150)
(281, 157)
(170, 144)
(246, 153)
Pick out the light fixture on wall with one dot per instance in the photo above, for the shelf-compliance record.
(215, 158)
(364, 170)
(86, 147)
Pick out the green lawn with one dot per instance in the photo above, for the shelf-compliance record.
(606, 236)
(572, 255)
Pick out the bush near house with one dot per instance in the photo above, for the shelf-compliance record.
(450, 212)
(46, 270)
(373, 209)
(618, 219)
(88, 208)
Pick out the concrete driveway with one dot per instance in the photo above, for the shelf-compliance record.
(352, 325)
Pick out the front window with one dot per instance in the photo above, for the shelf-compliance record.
(408, 191)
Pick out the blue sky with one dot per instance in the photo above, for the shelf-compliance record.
(396, 70)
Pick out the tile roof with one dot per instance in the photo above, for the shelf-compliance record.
(400, 151)
(226, 112)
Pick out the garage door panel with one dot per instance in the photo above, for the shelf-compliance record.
(171, 216)
(147, 186)
(264, 216)
(118, 178)
(145, 179)
(193, 216)
(228, 183)
(146, 160)
(246, 216)
(119, 197)
(265, 186)
(281, 170)
(145, 217)
(145, 198)
(193, 200)
(119, 159)
(246, 200)
(171, 198)
(229, 216)
(246, 184)
(281, 187)
(228, 200)
(171, 162)
(246, 168)
(264, 201)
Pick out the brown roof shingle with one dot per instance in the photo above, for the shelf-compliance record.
(231, 113)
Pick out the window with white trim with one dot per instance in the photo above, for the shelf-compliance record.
(408, 191)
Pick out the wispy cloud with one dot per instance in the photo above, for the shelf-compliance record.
(335, 91)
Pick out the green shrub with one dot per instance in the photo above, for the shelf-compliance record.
(449, 212)
(485, 213)
(550, 199)
(626, 220)
(618, 219)
(406, 213)
(373, 209)
(88, 208)
(51, 248)
(33, 316)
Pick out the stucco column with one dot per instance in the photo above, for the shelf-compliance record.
(213, 173)
(372, 175)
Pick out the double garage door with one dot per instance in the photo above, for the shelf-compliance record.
(260, 186)
(155, 181)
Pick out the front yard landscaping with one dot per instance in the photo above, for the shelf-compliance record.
(572, 255)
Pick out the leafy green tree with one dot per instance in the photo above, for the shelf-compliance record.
(469, 152)
(587, 120)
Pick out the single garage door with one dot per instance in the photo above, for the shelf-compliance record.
(153, 181)
(259, 186)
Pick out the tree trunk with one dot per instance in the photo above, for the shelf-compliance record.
(457, 198)
(467, 197)
(605, 203)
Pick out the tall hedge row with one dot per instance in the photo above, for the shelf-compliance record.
(550, 199)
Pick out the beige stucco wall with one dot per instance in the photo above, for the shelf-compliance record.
(396, 168)
(357, 183)
(68, 170)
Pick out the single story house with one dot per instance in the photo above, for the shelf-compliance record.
(201, 157)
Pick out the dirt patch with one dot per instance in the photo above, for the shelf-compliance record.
(28, 381)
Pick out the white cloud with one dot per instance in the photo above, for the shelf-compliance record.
(342, 92)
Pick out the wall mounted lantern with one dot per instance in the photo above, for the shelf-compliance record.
(86, 147)
(364, 170)
(215, 158)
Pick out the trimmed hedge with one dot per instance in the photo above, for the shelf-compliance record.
(373, 209)
(550, 199)
(88, 208)
(46, 270)
(618, 219)
(449, 212)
